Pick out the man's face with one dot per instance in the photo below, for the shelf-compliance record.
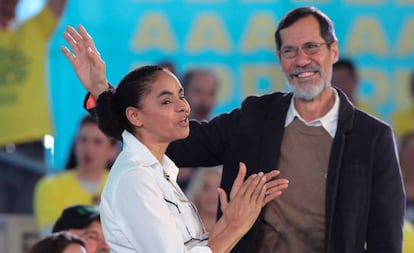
(93, 238)
(308, 75)
(201, 95)
(343, 79)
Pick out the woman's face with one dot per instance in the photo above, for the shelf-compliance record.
(93, 149)
(207, 198)
(163, 113)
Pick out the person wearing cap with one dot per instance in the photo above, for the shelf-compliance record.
(83, 221)
(60, 242)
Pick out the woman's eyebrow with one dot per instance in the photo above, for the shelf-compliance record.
(167, 92)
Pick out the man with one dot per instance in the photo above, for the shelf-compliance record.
(403, 120)
(345, 77)
(83, 184)
(345, 193)
(83, 221)
(200, 87)
(23, 94)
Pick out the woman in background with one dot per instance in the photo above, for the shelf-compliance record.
(202, 191)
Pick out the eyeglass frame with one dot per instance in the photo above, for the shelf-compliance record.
(304, 49)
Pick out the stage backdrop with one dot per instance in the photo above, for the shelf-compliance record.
(234, 38)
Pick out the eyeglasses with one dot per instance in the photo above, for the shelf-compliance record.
(308, 48)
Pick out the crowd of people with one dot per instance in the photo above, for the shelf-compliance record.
(311, 170)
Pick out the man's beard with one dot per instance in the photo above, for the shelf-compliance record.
(306, 90)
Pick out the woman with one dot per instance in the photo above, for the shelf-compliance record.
(142, 207)
(202, 191)
(61, 242)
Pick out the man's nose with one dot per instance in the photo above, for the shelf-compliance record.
(302, 59)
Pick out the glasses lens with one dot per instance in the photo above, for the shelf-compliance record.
(289, 52)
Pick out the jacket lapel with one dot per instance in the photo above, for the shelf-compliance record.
(345, 124)
(272, 134)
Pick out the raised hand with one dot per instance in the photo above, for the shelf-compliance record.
(86, 60)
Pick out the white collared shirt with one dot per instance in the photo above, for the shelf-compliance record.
(142, 211)
(329, 121)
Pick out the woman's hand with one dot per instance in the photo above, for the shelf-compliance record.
(86, 60)
(248, 197)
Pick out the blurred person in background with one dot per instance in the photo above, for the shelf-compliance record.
(407, 167)
(85, 222)
(403, 120)
(345, 77)
(62, 242)
(168, 65)
(24, 109)
(84, 184)
(408, 243)
(202, 191)
(200, 87)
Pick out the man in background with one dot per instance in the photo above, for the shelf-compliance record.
(403, 120)
(200, 89)
(345, 77)
(83, 221)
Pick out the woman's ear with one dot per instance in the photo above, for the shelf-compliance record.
(133, 115)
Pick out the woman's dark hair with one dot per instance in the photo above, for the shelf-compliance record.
(56, 243)
(111, 105)
(326, 27)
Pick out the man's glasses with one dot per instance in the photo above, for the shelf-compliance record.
(308, 48)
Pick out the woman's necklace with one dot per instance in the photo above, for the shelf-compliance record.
(166, 175)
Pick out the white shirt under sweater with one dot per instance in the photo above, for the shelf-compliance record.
(329, 121)
(142, 211)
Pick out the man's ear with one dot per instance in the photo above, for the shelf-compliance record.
(335, 51)
(134, 116)
(277, 53)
